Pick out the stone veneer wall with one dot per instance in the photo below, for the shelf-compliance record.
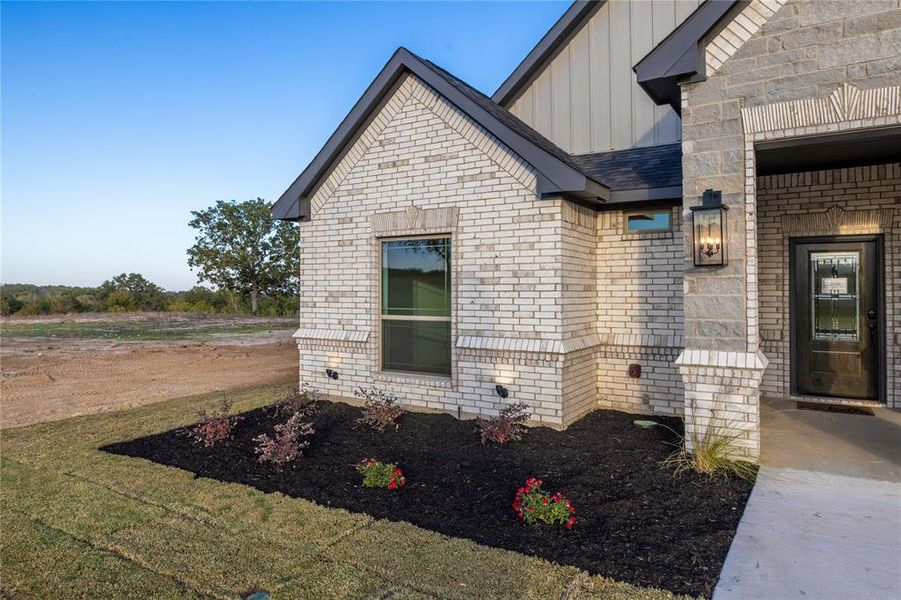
(861, 200)
(639, 315)
(806, 51)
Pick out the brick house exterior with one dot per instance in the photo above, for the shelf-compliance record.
(572, 249)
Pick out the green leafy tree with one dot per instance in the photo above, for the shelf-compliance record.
(132, 291)
(241, 248)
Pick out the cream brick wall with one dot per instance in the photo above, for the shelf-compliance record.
(862, 200)
(639, 315)
(422, 167)
(550, 299)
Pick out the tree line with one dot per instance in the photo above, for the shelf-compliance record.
(250, 258)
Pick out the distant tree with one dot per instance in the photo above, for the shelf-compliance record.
(132, 291)
(241, 248)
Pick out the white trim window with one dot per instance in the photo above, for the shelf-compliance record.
(415, 305)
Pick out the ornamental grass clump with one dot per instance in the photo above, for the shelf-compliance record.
(711, 453)
(534, 506)
(214, 425)
(288, 444)
(380, 409)
(302, 399)
(507, 426)
(377, 474)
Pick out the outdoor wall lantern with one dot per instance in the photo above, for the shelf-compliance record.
(709, 230)
(501, 391)
(331, 373)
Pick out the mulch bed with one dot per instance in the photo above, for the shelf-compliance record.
(636, 521)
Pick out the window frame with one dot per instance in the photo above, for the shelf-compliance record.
(643, 211)
(381, 317)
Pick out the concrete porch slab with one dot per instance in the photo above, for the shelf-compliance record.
(809, 534)
(841, 444)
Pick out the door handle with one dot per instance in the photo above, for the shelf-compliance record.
(871, 313)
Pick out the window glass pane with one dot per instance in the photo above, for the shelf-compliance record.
(416, 346)
(835, 298)
(416, 278)
(650, 220)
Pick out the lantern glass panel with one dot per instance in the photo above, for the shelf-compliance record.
(709, 238)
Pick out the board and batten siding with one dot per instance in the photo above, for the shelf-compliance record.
(587, 98)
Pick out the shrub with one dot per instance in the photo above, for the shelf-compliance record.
(711, 454)
(380, 409)
(508, 426)
(533, 505)
(287, 445)
(214, 426)
(377, 474)
(302, 400)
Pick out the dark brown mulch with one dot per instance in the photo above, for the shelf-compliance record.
(636, 522)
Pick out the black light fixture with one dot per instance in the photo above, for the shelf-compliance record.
(331, 373)
(501, 391)
(709, 230)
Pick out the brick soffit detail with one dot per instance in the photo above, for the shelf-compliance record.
(846, 103)
(838, 220)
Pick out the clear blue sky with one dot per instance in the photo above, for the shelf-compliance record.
(120, 118)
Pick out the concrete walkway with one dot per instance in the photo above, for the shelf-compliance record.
(824, 519)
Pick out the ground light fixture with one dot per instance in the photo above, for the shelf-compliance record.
(501, 391)
(709, 230)
(331, 373)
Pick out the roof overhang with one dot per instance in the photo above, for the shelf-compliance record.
(680, 56)
(566, 26)
(829, 151)
(555, 177)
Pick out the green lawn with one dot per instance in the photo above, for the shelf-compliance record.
(77, 522)
(141, 330)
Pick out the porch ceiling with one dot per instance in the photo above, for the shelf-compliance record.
(851, 149)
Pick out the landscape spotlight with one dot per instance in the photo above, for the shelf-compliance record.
(333, 374)
(501, 391)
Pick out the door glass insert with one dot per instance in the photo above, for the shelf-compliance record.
(835, 301)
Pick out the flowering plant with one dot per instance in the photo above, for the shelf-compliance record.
(214, 426)
(379, 474)
(534, 505)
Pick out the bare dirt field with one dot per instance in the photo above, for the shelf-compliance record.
(57, 367)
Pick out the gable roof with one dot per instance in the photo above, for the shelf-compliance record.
(557, 172)
(680, 56)
(556, 36)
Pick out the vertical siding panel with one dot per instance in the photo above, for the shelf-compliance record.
(562, 91)
(587, 99)
(599, 83)
(542, 105)
(667, 126)
(620, 74)
(643, 108)
(684, 8)
(580, 71)
(526, 110)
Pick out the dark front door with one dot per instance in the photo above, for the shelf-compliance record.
(837, 314)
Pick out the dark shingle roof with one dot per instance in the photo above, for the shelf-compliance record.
(636, 168)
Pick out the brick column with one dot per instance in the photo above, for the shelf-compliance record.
(722, 391)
